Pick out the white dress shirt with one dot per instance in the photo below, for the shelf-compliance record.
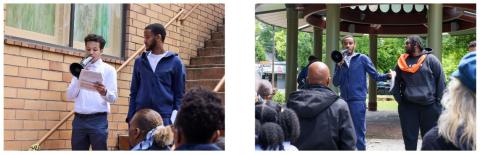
(90, 101)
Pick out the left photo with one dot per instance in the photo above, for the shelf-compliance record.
(114, 77)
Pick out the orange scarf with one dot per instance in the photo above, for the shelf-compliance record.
(402, 63)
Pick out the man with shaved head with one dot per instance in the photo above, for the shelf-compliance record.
(325, 122)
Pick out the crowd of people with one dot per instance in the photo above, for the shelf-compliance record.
(444, 114)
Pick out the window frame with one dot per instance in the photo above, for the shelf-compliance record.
(47, 40)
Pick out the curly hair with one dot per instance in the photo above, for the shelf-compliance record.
(95, 38)
(265, 114)
(271, 136)
(290, 124)
(200, 115)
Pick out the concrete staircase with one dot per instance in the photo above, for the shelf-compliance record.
(208, 67)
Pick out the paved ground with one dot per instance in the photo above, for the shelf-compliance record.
(388, 145)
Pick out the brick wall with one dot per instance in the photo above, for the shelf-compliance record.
(36, 75)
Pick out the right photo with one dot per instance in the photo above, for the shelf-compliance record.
(375, 77)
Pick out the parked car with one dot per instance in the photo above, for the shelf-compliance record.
(383, 88)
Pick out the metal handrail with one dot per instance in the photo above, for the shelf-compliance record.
(36, 146)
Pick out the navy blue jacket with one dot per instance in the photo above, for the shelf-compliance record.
(353, 79)
(161, 91)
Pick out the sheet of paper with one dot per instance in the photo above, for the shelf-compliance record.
(392, 81)
(89, 78)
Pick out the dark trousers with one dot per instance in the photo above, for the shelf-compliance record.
(90, 130)
(414, 117)
(357, 111)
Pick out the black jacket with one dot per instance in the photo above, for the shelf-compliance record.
(325, 121)
(424, 87)
(434, 141)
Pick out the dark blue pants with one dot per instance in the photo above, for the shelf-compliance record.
(90, 130)
(357, 111)
(414, 117)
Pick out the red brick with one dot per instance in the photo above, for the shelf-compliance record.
(10, 92)
(28, 93)
(52, 75)
(29, 72)
(37, 63)
(10, 70)
(13, 103)
(26, 114)
(14, 60)
(37, 84)
(53, 56)
(33, 124)
(58, 66)
(26, 135)
(11, 81)
(8, 114)
(9, 135)
(62, 106)
(50, 95)
(31, 53)
(58, 86)
(49, 115)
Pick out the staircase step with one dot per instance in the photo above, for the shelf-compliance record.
(215, 43)
(218, 35)
(211, 51)
(208, 84)
(205, 73)
(204, 60)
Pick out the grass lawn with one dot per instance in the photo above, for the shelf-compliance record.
(384, 105)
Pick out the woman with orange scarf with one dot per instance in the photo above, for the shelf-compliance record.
(418, 89)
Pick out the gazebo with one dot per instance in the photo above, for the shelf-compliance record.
(376, 20)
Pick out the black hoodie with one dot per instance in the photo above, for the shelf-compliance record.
(325, 121)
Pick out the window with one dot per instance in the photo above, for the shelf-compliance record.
(51, 23)
(44, 22)
(100, 19)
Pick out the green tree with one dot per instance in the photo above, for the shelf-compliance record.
(305, 48)
(281, 44)
(453, 49)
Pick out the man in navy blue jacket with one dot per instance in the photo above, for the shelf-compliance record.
(158, 78)
(350, 75)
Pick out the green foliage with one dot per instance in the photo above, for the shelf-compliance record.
(259, 52)
(279, 97)
(453, 49)
(305, 48)
(281, 44)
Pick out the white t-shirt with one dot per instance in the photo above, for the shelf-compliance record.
(153, 59)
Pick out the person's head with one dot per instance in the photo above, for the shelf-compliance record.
(265, 113)
(94, 45)
(312, 59)
(200, 118)
(290, 124)
(349, 43)
(413, 44)
(271, 136)
(318, 73)
(154, 36)
(141, 123)
(265, 89)
(472, 46)
(459, 101)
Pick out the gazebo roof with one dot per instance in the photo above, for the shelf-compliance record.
(382, 19)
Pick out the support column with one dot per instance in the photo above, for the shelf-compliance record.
(333, 35)
(317, 42)
(292, 43)
(372, 84)
(435, 15)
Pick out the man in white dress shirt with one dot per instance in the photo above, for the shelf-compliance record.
(90, 125)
